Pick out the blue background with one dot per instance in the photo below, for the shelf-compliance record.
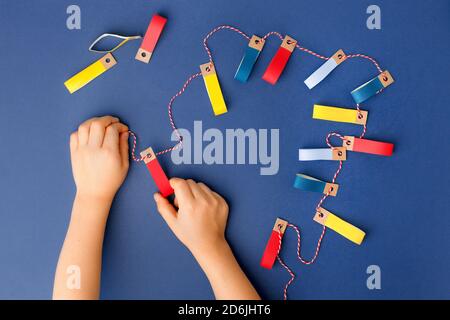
(401, 202)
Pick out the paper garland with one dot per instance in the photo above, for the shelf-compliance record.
(271, 75)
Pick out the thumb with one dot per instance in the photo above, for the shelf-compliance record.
(166, 210)
(123, 147)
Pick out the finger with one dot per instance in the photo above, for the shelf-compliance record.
(175, 202)
(196, 190)
(83, 132)
(112, 135)
(123, 147)
(217, 196)
(182, 190)
(98, 129)
(222, 201)
(166, 210)
(206, 190)
(73, 141)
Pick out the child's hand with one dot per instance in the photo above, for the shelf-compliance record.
(201, 218)
(199, 223)
(99, 155)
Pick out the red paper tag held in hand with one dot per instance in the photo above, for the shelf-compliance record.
(157, 172)
(273, 245)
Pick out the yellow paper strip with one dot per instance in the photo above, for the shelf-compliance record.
(213, 88)
(345, 229)
(340, 114)
(85, 76)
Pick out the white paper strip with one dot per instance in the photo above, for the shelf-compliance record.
(314, 154)
(338, 153)
(320, 74)
(324, 70)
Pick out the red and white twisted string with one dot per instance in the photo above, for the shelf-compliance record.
(359, 55)
(284, 266)
(223, 27)
(299, 256)
(171, 120)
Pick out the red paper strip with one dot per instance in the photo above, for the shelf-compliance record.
(273, 245)
(368, 146)
(151, 37)
(157, 172)
(279, 61)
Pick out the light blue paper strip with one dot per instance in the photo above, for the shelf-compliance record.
(317, 76)
(315, 154)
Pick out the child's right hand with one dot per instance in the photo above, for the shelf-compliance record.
(201, 218)
(199, 223)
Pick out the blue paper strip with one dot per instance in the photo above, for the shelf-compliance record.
(306, 183)
(246, 65)
(367, 90)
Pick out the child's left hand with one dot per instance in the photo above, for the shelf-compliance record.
(99, 154)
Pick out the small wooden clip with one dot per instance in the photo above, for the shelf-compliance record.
(279, 61)
(156, 171)
(273, 245)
